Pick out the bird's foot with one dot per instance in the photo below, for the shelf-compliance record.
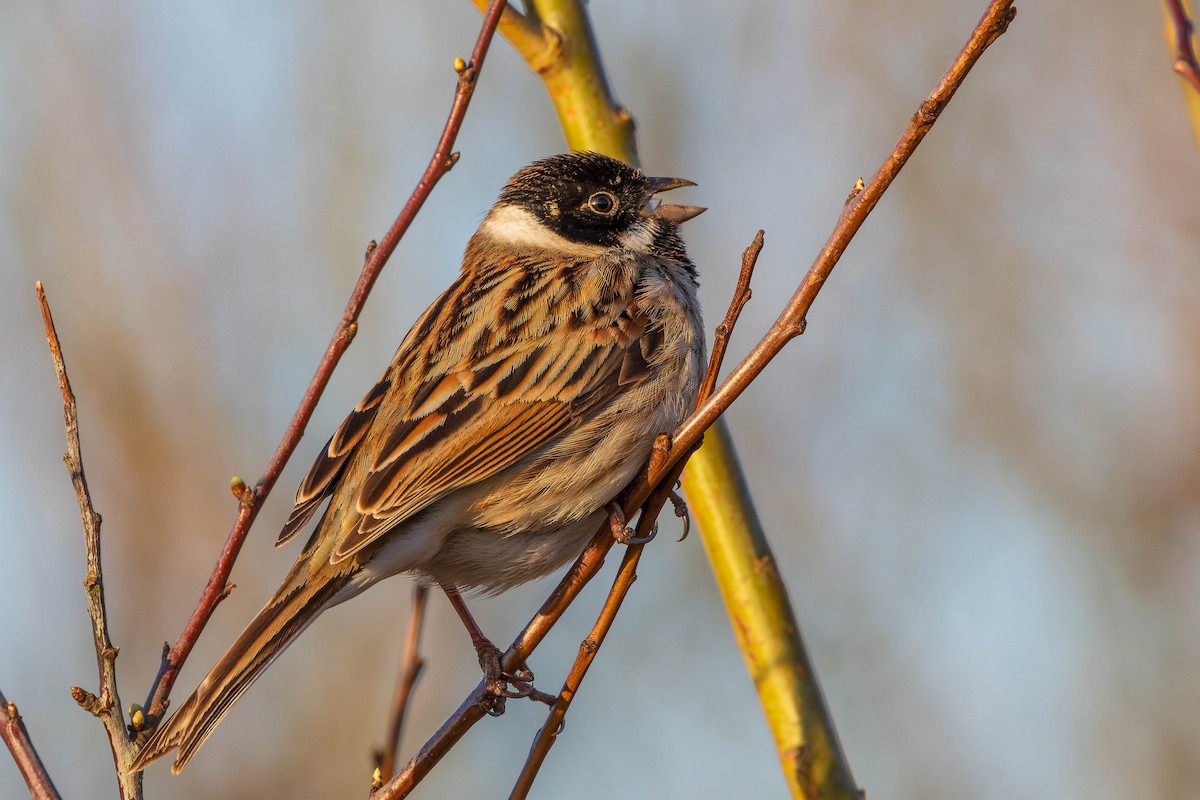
(500, 685)
(621, 531)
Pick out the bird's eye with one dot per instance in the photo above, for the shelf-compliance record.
(603, 203)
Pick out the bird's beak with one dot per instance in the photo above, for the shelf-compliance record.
(665, 211)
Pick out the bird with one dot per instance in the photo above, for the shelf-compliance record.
(521, 402)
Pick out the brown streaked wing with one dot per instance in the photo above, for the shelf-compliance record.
(485, 430)
(324, 472)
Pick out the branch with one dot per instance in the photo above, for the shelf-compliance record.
(714, 482)
(627, 573)
(648, 493)
(14, 734)
(1185, 54)
(763, 623)
(791, 322)
(478, 701)
(108, 705)
(540, 46)
(557, 43)
(411, 665)
(741, 296)
(251, 501)
(830, 765)
(548, 734)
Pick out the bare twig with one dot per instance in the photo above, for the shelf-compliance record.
(789, 325)
(546, 736)
(107, 706)
(442, 161)
(1185, 52)
(627, 573)
(14, 734)
(411, 665)
(791, 322)
(583, 570)
(741, 296)
(589, 647)
(477, 702)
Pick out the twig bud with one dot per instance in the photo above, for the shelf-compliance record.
(858, 187)
(460, 66)
(87, 701)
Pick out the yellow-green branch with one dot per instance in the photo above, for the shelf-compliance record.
(557, 42)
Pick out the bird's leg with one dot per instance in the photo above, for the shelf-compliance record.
(495, 678)
(621, 531)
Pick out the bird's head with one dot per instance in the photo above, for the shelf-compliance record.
(587, 200)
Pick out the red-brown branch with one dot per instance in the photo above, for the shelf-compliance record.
(741, 296)
(627, 573)
(791, 322)
(411, 665)
(440, 163)
(789, 325)
(15, 735)
(1185, 52)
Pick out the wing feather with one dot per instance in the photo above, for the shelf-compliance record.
(490, 396)
(319, 481)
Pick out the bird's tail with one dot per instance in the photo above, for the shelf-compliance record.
(286, 615)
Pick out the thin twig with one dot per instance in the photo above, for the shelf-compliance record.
(789, 325)
(477, 702)
(589, 647)
(741, 296)
(547, 735)
(442, 161)
(791, 322)
(411, 665)
(627, 573)
(588, 564)
(108, 705)
(16, 736)
(1185, 53)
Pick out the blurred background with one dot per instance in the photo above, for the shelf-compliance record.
(980, 468)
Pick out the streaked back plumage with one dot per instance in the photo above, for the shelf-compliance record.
(523, 399)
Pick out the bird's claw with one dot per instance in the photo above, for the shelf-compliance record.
(647, 539)
(681, 511)
(500, 685)
(622, 532)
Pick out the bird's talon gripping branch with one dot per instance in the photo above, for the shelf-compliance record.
(647, 539)
(522, 673)
(622, 532)
(681, 511)
(617, 522)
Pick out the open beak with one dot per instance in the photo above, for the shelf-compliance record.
(665, 211)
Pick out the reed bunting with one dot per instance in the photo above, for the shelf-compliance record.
(521, 402)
